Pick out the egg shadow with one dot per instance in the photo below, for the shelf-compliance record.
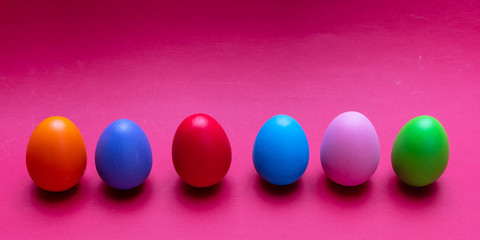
(418, 192)
(122, 195)
(352, 196)
(277, 194)
(130, 199)
(278, 190)
(202, 193)
(413, 197)
(347, 191)
(55, 197)
(202, 199)
(59, 203)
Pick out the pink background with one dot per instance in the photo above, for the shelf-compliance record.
(241, 62)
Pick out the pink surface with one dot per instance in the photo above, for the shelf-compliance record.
(241, 62)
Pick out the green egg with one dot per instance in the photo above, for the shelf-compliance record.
(420, 151)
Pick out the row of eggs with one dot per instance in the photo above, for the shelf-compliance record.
(350, 151)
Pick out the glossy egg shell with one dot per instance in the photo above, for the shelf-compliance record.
(123, 156)
(56, 157)
(350, 149)
(201, 151)
(280, 151)
(420, 151)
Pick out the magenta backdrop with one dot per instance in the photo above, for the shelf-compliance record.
(156, 62)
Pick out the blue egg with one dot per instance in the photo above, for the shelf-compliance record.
(280, 152)
(123, 156)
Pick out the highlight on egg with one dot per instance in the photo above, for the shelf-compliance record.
(56, 157)
(350, 149)
(201, 152)
(123, 156)
(280, 152)
(420, 152)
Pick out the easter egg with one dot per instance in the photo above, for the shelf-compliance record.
(280, 151)
(56, 157)
(201, 151)
(350, 150)
(420, 151)
(123, 156)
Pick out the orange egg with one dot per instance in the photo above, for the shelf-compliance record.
(56, 155)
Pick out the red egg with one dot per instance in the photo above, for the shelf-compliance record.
(201, 151)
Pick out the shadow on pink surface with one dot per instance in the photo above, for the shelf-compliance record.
(346, 191)
(60, 203)
(343, 196)
(413, 197)
(282, 195)
(202, 199)
(131, 199)
(277, 190)
(52, 197)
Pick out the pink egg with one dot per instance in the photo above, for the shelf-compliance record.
(350, 149)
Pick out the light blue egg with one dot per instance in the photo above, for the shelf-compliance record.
(280, 152)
